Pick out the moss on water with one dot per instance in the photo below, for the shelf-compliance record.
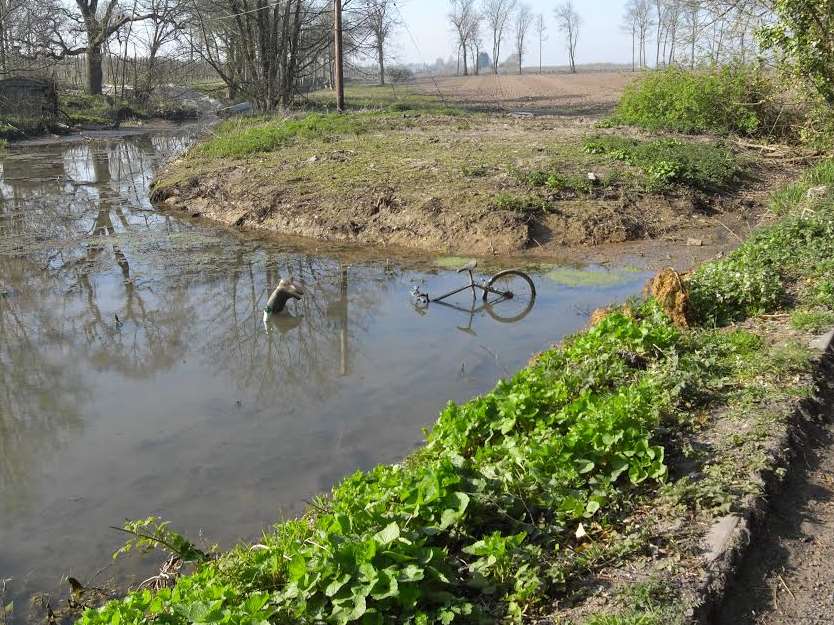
(573, 277)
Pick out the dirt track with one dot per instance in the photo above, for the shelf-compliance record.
(569, 95)
(787, 577)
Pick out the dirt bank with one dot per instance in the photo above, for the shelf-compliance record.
(456, 185)
(786, 578)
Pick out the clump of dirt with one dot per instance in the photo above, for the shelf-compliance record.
(669, 290)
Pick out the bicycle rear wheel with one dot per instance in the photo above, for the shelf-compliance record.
(514, 298)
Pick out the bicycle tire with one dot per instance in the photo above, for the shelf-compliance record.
(524, 295)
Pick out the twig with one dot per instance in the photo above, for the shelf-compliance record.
(760, 146)
(790, 592)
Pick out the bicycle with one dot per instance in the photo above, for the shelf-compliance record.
(514, 290)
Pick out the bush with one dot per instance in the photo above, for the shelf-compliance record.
(400, 75)
(731, 100)
(668, 161)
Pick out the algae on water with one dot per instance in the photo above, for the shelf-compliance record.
(571, 276)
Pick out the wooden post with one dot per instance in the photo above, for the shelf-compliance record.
(339, 73)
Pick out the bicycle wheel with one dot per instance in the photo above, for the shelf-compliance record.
(514, 298)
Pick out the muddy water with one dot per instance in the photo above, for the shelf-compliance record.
(188, 406)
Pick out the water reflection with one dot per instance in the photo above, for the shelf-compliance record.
(189, 406)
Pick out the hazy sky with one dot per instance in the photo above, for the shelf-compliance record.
(601, 38)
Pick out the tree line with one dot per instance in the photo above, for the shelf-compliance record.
(494, 23)
(261, 49)
(270, 51)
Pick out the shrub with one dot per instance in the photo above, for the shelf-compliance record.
(400, 75)
(730, 100)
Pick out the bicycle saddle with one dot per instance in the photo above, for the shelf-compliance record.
(469, 266)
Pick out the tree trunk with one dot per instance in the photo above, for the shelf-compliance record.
(94, 71)
(465, 68)
(381, 54)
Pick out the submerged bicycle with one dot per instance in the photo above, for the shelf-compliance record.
(508, 296)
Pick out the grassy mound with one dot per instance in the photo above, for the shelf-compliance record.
(730, 100)
(250, 135)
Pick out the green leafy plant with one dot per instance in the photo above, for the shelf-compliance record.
(153, 533)
(802, 36)
(669, 161)
(736, 99)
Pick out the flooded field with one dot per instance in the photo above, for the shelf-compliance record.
(137, 375)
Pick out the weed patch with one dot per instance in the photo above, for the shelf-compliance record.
(523, 204)
(668, 161)
(792, 258)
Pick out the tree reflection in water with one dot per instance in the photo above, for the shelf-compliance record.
(80, 246)
(187, 407)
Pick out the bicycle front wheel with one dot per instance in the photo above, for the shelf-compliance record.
(509, 295)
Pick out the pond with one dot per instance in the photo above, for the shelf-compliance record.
(137, 375)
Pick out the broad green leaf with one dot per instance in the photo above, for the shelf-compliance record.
(388, 535)
(336, 585)
(297, 568)
(584, 466)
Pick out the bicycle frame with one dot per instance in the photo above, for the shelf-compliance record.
(472, 285)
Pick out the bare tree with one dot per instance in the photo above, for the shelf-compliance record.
(163, 28)
(94, 25)
(638, 20)
(476, 41)
(497, 14)
(381, 22)
(569, 24)
(541, 32)
(692, 18)
(463, 17)
(523, 22)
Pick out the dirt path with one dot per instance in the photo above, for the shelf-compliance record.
(788, 577)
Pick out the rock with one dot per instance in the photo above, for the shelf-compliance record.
(822, 343)
(720, 536)
(236, 109)
(694, 242)
(815, 193)
(313, 159)
(592, 177)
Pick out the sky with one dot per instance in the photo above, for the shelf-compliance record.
(601, 39)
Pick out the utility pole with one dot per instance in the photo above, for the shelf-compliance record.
(340, 75)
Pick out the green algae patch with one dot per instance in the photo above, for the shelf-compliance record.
(571, 276)
(451, 262)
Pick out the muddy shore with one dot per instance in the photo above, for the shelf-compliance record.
(424, 206)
